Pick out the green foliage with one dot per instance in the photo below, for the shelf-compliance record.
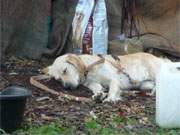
(117, 125)
(95, 127)
(162, 131)
(91, 124)
(118, 119)
(53, 128)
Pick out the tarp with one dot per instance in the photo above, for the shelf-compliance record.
(30, 28)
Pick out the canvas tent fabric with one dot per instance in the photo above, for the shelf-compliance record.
(36, 28)
(157, 21)
(163, 18)
(25, 26)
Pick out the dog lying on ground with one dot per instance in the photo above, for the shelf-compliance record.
(115, 73)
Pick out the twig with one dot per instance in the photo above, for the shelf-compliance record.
(34, 80)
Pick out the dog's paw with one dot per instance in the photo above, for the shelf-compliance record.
(112, 100)
(99, 97)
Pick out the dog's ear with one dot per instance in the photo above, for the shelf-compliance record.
(76, 62)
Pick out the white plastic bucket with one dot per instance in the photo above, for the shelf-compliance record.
(168, 96)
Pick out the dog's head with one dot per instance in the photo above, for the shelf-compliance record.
(68, 69)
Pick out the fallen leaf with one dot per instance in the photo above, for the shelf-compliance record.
(42, 99)
(45, 117)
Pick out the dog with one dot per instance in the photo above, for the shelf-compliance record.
(99, 73)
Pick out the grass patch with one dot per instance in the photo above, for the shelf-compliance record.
(115, 126)
(54, 128)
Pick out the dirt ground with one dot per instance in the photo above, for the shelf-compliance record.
(43, 107)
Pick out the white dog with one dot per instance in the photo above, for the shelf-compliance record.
(134, 71)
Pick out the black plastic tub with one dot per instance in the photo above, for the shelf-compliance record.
(12, 106)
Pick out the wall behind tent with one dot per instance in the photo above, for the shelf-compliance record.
(25, 25)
